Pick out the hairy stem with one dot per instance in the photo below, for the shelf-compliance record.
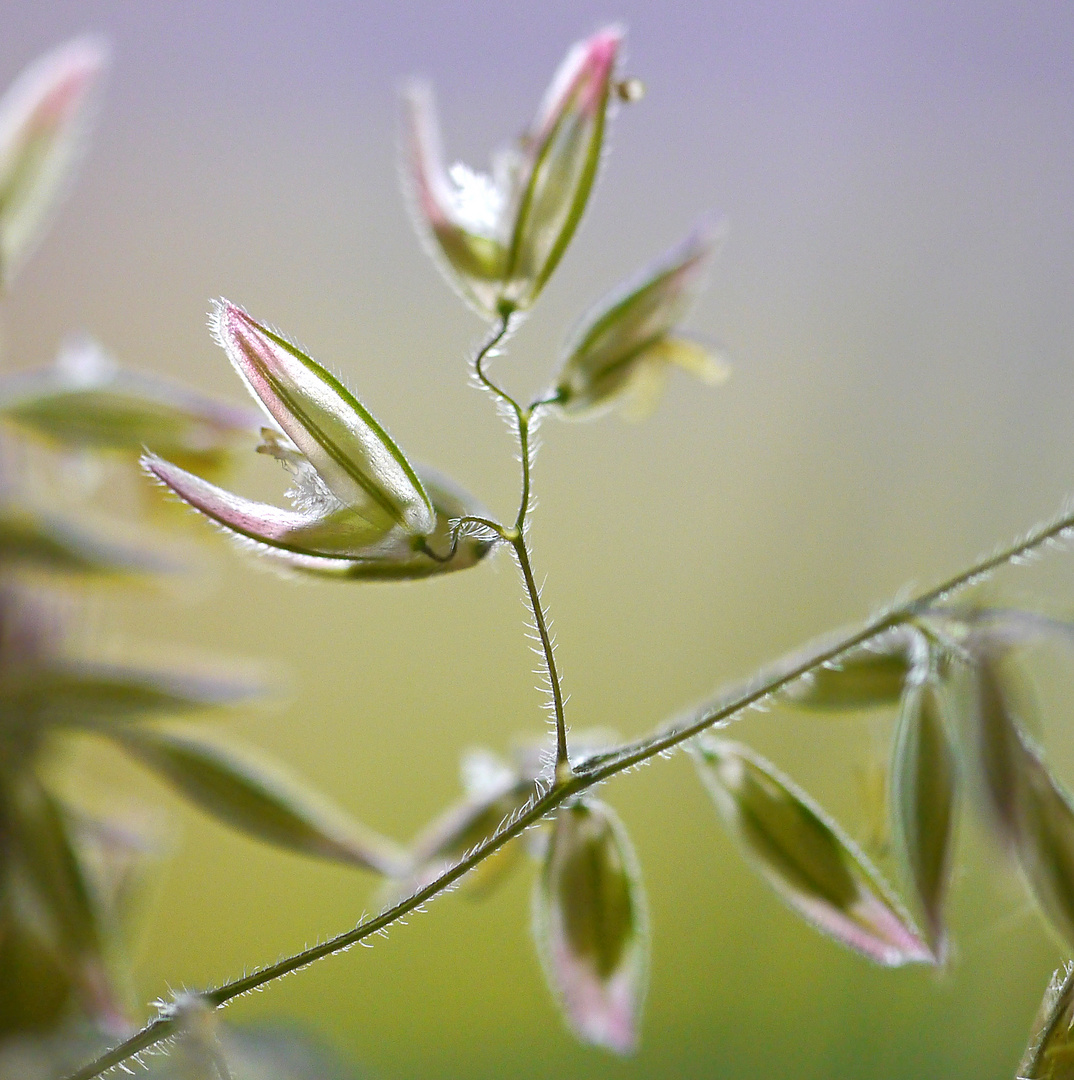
(517, 537)
(522, 554)
(776, 676)
(525, 457)
(488, 347)
(721, 710)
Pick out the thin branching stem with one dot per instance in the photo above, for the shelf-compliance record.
(777, 676)
(517, 536)
(456, 531)
(721, 710)
(526, 424)
(522, 554)
(424, 548)
(527, 461)
(485, 523)
(155, 1032)
(487, 349)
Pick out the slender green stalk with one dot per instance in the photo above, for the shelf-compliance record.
(777, 676)
(517, 538)
(499, 333)
(721, 710)
(424, 548)
(523, 417)
(526, 459)
(155, 1032)
(486, 523)
(522, 554)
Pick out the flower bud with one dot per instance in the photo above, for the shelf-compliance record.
(359, 465)
(361, 511)
(624, 347)
(591, 925)
(44, 118)
(85, 401)
(814, 867)
(250, 794)
(872, 676)
(1044, 840)
(42, 851)
(62, 691)
(1033, 813)
(559, 161)
(341, 544)
(924, 781)
(499, 237)
(39, 540)
(461, 213)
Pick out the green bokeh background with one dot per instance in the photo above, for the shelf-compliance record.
(896, 295)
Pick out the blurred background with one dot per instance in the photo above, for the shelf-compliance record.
(897, 298)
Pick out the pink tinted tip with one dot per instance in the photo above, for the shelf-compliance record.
(581, 81)
(68, 76)
(231, 319)
(602, 1011)
(243, 340)
(67, 95)
(423, 150)
(261, 522)
(602, 48)
(258, 359)
(600, 53)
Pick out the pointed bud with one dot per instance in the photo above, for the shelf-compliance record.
(250, 794)
(1050, 1054)
(1045, 843)
(44, 119)
(342, 545)
(1033, 813)
(560, 158)
(810, 862)
(339, 535)
(624, 346)
(923, 789)
(498, 238)
(460, 214)
(350, 452)
(591, 925)
(998, 744)
(358, 497)
(871, 677)
(87, 402)
(78, 693)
